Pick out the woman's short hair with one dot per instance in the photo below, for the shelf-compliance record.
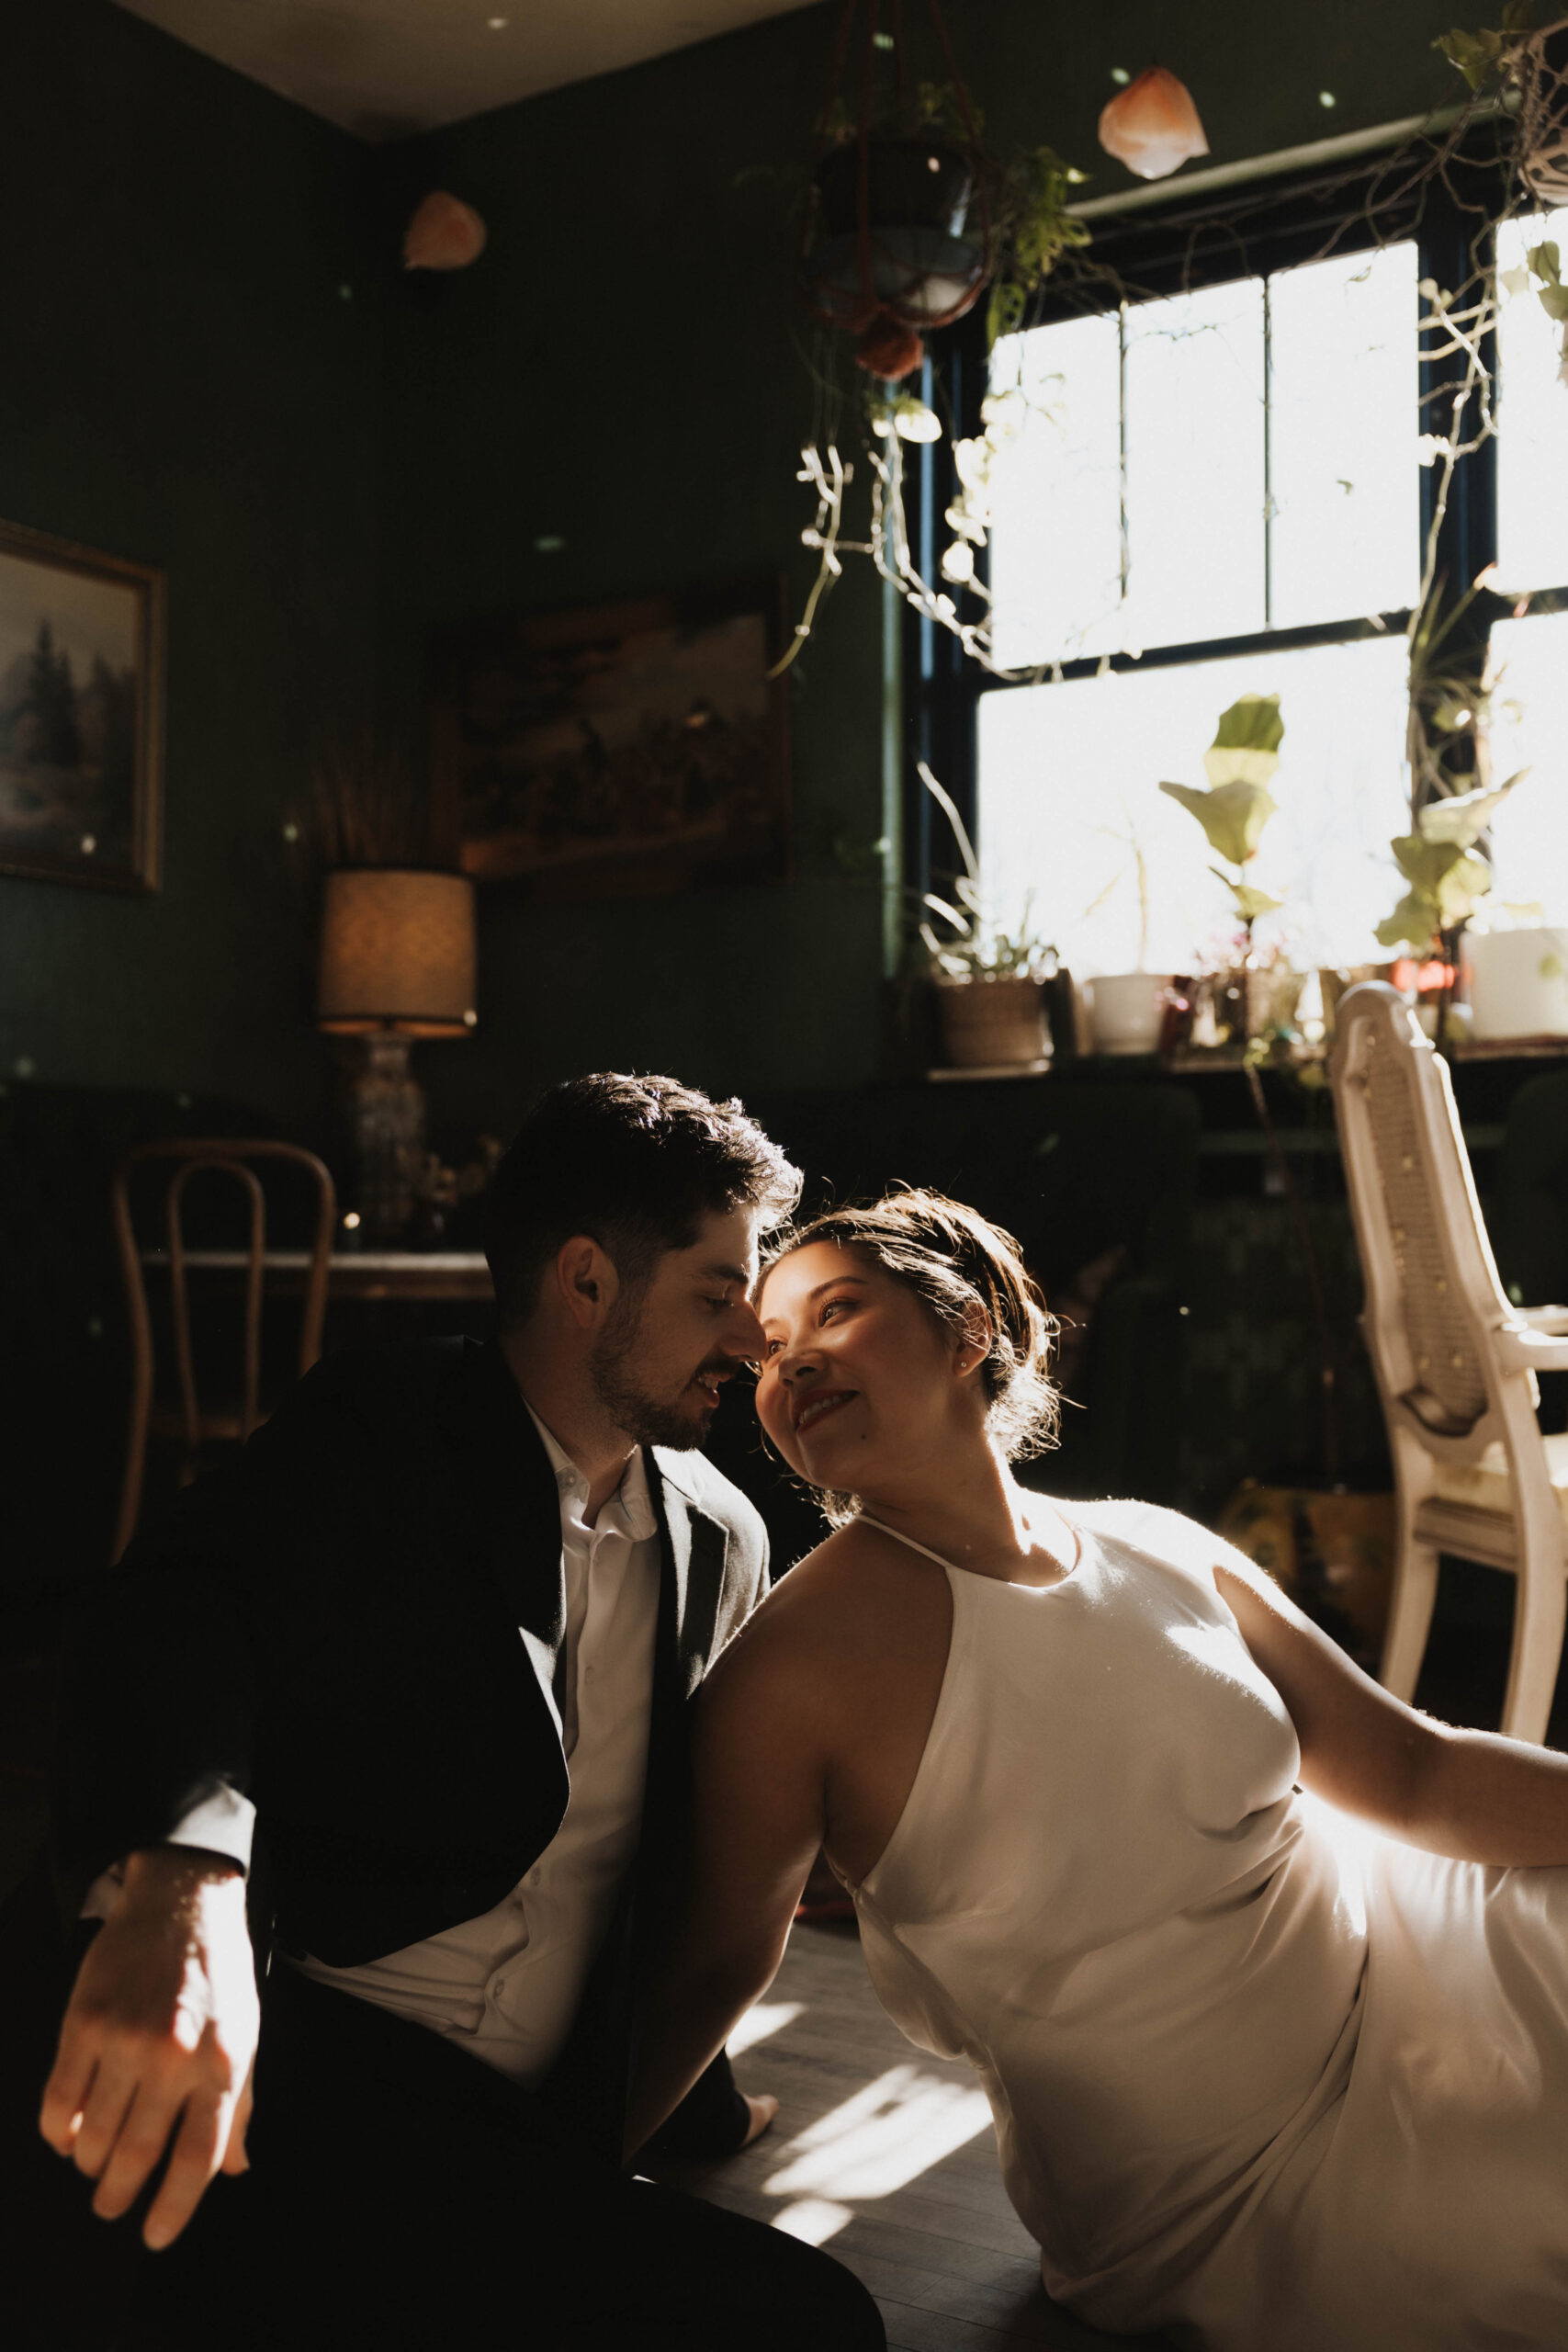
(636, 1163)
(956, 1262)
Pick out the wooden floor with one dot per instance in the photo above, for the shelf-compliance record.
(884, 2156)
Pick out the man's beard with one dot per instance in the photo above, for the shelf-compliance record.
(678, 1422)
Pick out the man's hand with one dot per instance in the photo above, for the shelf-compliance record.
(157, 2045)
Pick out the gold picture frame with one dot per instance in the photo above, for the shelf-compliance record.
(81, 713)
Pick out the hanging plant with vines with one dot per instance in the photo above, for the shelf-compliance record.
(1009, 232)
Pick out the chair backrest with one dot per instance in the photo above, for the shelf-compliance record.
(231, 1159)
(1434, 1302)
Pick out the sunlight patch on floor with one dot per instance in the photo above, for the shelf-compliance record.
(813, 2220)
(767, 2017)
(876, 2142)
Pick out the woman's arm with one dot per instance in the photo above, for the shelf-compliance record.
(759, 1807)
(1469, 1794)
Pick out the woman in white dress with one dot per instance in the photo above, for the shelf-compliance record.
(1270, 2069)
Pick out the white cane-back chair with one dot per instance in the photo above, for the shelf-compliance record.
(1455, 1361)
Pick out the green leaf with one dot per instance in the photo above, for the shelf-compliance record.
(1461, 890)
(1253, 721)
(1410, 925)
(1241, 765)
(1245, 749)
(1465, 815)
(1546, 260)
(1553, 300)
(1250, 901)
(1477, 56)
(1004, 312)
(1233, 816)
(1443, 875)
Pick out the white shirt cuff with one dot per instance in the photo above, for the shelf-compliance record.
(223, 1823)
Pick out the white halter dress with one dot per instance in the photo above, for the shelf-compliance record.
(1258, 2075)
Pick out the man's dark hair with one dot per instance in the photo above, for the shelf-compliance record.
(636, 1163)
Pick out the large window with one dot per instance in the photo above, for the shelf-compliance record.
(1223, 488)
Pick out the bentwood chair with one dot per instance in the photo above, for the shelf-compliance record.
(186, 1424)
(1455, 1361)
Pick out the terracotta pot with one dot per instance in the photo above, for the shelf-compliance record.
(992, 1022)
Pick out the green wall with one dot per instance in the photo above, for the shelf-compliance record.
(326, 479)
(182, 381)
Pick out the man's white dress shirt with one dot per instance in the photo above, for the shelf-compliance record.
(508, 1985)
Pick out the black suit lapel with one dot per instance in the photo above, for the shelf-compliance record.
(694, 1547)
(506, 1499)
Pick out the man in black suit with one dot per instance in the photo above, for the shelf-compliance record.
(410, 1685)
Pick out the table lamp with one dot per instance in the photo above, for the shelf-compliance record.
(397, 964)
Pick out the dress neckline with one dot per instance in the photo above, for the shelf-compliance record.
(953, 1569)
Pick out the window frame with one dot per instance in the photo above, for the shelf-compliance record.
(1255, 228)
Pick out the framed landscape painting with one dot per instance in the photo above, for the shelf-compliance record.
(628, 749)
(81, 713)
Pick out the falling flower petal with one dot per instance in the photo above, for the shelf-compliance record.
(1152, 126)
(445, 233)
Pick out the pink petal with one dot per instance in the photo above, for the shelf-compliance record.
(1152, 126)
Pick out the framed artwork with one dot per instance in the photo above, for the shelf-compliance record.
(81, 713)
(627, 749)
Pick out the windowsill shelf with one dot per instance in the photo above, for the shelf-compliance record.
(1220, 1064)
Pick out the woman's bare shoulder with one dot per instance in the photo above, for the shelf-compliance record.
(820, 1611)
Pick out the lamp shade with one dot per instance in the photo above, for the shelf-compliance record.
(397, 953)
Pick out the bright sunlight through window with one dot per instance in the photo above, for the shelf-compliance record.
(1071, 809)
(1532, 437)
(1239, 457)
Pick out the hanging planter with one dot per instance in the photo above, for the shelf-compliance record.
(898, 233)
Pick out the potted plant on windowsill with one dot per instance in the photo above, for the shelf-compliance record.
(987, 978)
(1447, 880)
(1238, 803)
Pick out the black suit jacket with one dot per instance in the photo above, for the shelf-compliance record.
(357, 1627)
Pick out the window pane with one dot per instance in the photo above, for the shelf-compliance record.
(1344, 388)
(1069, 781)
(1056, 495)
(1530, 840)
(1194, 409)
(1532, 431)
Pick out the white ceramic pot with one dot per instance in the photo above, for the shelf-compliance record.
(1518, 983)
(1128, 1010)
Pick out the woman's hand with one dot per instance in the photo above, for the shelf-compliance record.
(1469, 1794)
(158, 2042)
